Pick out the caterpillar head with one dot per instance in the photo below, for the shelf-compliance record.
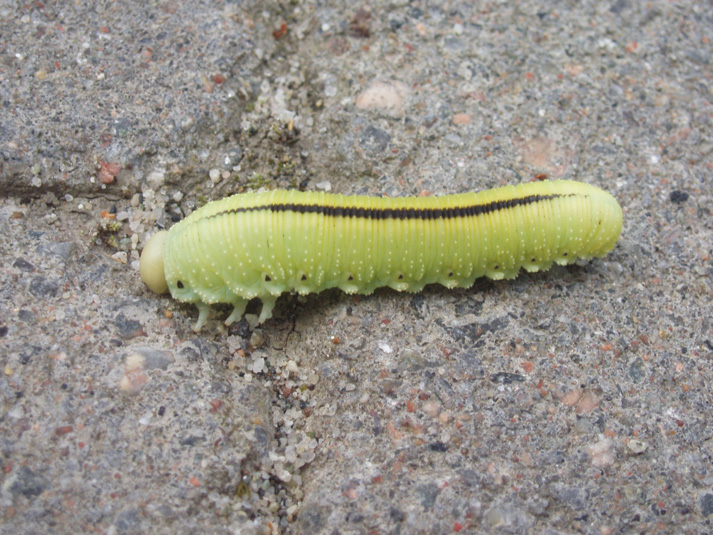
(161, 272)
(151, 263)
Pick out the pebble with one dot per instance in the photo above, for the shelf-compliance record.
(587, 403)
(375, 140)
(706, 503)
(461, 118)
(156, 178)
(431, 408)
(134, 377)
(258, 365)
(16, 412)
(384, 96)
(453, 139)
(602, 453)
(386, 348)
(636, 446)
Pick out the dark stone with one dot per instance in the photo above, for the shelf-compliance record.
(355, 518)
(26, 315)
(96, 274)
(438, 446)
(636, 370)
(42, 288)
(428, 493)
(262, 441)
(23, 265)
(619, 6)
(240, 328)
(470, 306)
(473, 331)
(190, 352)
(28, 483)
(470, 362)
(395, 24)
(706, 504)
(155, 359)
(506, 378)
(312, 519)
(28, 352)
(61, 249)
(128, 328)
(396, 515)
(572, 496)
(417, 303)
(375, 139)
(678, 196)
(191, 440)
(471, 477)
(128, 522)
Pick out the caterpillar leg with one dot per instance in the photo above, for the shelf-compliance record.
(203, 309)
(268, 303)
(239, 305)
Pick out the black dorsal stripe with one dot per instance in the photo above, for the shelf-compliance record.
(393, 213)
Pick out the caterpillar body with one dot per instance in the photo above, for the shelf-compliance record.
(263, 244)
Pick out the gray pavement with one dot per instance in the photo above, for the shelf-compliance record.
(571, 401)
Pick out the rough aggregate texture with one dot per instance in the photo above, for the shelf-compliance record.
(571, 401)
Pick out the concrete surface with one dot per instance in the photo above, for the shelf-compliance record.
(572, 401)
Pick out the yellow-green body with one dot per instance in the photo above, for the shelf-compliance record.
(263, 244)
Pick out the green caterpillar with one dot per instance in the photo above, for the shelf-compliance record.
(263, 244)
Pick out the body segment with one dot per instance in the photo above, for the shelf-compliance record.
(262, 244)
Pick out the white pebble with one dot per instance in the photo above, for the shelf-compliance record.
(16, 412)
(145, 419)
(385, 96)
(386, 348)
(258, 365)
(156, 178)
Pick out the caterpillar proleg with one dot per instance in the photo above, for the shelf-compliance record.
(263, 244)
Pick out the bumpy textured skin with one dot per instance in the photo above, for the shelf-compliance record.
(262, 244)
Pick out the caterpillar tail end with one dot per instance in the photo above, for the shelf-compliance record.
(151, 263)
